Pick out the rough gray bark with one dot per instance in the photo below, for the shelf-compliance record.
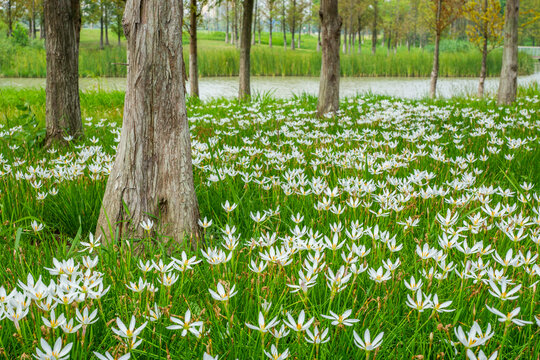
(330, 35)
(193, 63)
(244, 90)
(227, 22)
(270, 21)
(152, 173)
(509, 71)
(63, 110)
(374, 27)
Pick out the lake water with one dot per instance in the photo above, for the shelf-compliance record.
(284, 87)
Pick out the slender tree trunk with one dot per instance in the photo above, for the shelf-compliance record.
(344, 44)
(107, 28)
(235, 24)
(42, 24)
(30, 27)
(193, 64)
(270, 25)
(284, 26)
(101, 46)
(259, 28)
(374, 28)
(483, 70)
(293, 24)
(9, 19)
(244, 90)
(329, 84)
(435, 69)
(152, 173)
(227, 21)
(63, 110)
(254, 31)
(34, 30)
(509, 71)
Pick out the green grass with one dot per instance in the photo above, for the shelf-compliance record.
(216, 58)
(376, 140)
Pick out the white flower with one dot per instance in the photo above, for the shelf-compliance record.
(366, 343)
(147, 224)
(186, 325)
(221, 294)
(55, 353)
(341, 319)
(263, 326)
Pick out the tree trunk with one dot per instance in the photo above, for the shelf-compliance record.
(435, 69)
(152, 174)
(227, 21)
(293, 24)
(330, 33)
(509, 71)
(254, 30)
(9, 19)
(106, 28)
(235, 23)
(270, 31)
(483, 70)
(63, 110)
(374, 28)
(319, 39)
(284, 26)
(42, 24)
(244, 90)
(193, 65)
(344, 45)
(101, 27)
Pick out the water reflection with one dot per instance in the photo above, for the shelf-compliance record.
(284, 87)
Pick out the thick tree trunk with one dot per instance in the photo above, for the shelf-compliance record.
(63, 110)
(435, 69)
(483, 69)
(374, 28)
(330, 33)
(509, 71)
(152, 173)
(193, 64)
(244, 90)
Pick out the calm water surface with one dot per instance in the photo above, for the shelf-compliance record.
(284, 87)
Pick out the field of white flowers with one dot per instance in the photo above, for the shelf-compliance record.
(395, 230)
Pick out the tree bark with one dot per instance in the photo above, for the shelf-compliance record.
(227, 21)
(152, 173)
(193, 63)
(509, 71)
(244, 90)
(42, 25)
(63, 110)
(435, 69)
(270, 30)
(106, 27)
(9, 19)
(293, 24)
(330, 34)
(374, 28)
(283, 25)
(101, 27)
(483, 69)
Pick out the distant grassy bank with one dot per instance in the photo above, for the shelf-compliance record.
(216, 58)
